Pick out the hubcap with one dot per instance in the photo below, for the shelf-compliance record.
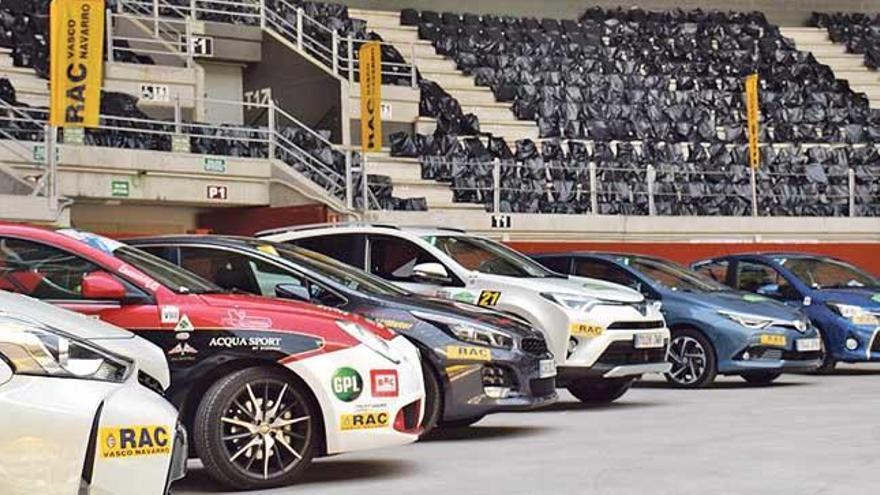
(688, 358)
(265, 428)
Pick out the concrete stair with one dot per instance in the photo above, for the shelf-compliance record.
(495, 117)
(848, 66)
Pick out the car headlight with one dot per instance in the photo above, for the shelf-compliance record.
(369, 339)
(576, 302)
(38, 350)
(856, 314)
(747, 320)
(469, 331)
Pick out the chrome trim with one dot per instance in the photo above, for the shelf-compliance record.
(871, 343)
(637, 369)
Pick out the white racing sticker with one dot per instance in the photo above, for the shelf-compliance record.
(169, 314)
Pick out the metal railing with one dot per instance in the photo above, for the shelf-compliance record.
(283, 137)
(336, 53)
(18, 123)
(159, 36)
(662, 189)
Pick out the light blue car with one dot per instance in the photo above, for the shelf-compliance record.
(715, 329)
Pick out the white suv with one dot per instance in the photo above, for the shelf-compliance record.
(603, 335)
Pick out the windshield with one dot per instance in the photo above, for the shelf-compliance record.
(485, 256)
(671, 275)
(341, 273)
(827, 273)
(167, 274)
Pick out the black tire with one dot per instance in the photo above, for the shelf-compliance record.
(433, 397)
(681, 375)
(761, 377)
(828, 364)
(599, 390)
(223, 445)
(462, 423)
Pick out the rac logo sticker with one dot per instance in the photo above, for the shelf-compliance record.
(134, 441)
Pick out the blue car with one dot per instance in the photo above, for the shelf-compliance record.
(715, 330)
(840, 299)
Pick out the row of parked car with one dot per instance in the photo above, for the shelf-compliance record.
(257, 355)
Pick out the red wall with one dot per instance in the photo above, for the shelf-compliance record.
(865, 255)
(248, 221)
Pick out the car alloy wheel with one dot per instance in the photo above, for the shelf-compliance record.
(688, 358)
(266, 428)
(257, 428)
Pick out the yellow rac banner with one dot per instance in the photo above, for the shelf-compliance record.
(76, 59)
(370, 63)
(753, 115)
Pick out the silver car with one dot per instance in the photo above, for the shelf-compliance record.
(603, 335)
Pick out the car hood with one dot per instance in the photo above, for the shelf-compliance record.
(266, 304)
(740, 302)
(574, 285)
(455, 309)
(865, 297)
(149, 357)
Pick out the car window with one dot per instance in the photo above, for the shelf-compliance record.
(763, 279)
(347, 248)
(716, 270)
(43, 272)
(227, 269)
(827, 273)
(604, 271)
(393, 258)
(559, 264)
(487, 256)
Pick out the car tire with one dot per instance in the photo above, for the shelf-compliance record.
(828, 364)
(462, 423)
(433, 398)
(599, 391)
(700, 371)
(761, 377)
(234, 454)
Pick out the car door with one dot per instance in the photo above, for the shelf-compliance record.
(55, 275)
(394, 259)
(764, 279)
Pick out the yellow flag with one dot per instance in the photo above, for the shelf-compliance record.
(753, 115)
(370, 63)
(76, 58)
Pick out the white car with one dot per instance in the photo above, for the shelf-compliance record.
(603, 335)
(75, 419)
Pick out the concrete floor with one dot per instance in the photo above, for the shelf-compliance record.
(803, 435)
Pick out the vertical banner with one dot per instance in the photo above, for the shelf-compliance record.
(370, 63)
(76, 59)
(753, 115)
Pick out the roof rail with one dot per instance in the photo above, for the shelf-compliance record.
(325, 225)
(433, 227)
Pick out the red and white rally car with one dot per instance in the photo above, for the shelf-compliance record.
(263, 385)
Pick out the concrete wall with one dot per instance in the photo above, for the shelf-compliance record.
(784, 12)
(120, 220)
(222, 82)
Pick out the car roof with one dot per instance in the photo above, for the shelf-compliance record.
(324, 228)
(218, 240)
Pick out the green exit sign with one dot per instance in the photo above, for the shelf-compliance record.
(120, 188)
(217, 165)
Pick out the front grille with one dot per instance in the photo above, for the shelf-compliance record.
(150, 382)
(769, 354)
(623, 353)
(534, 346)
(498, 376)
(636, 325)
(542, 387)
(801, 356)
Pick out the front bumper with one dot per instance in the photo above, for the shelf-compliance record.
(376, 418)
(507, 381)
(868, 344)
(753, 355)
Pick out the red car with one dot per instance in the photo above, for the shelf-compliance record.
(263, 385)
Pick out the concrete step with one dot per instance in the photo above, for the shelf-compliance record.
(376, 18)
(401, 34)
(434, 64)
(399, 169)
(435, 193)
(511, 130)
(861, 77)
(847, 61)
(806, 34)
(451, 79)
(496, 111)
(475, 95)
(822, 49)
(425, 49)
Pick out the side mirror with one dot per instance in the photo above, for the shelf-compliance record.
(102, 286)
(293, 291)
(769, 290)
(5, 372)
(431, 273)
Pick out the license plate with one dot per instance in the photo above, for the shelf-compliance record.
(807, 345)
(648, 340)
(773, 340)
(547, 368)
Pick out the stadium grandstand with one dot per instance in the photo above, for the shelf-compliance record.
(600, 123)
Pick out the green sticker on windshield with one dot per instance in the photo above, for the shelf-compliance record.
(464, 296)
(754, 298)
(876, 298)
